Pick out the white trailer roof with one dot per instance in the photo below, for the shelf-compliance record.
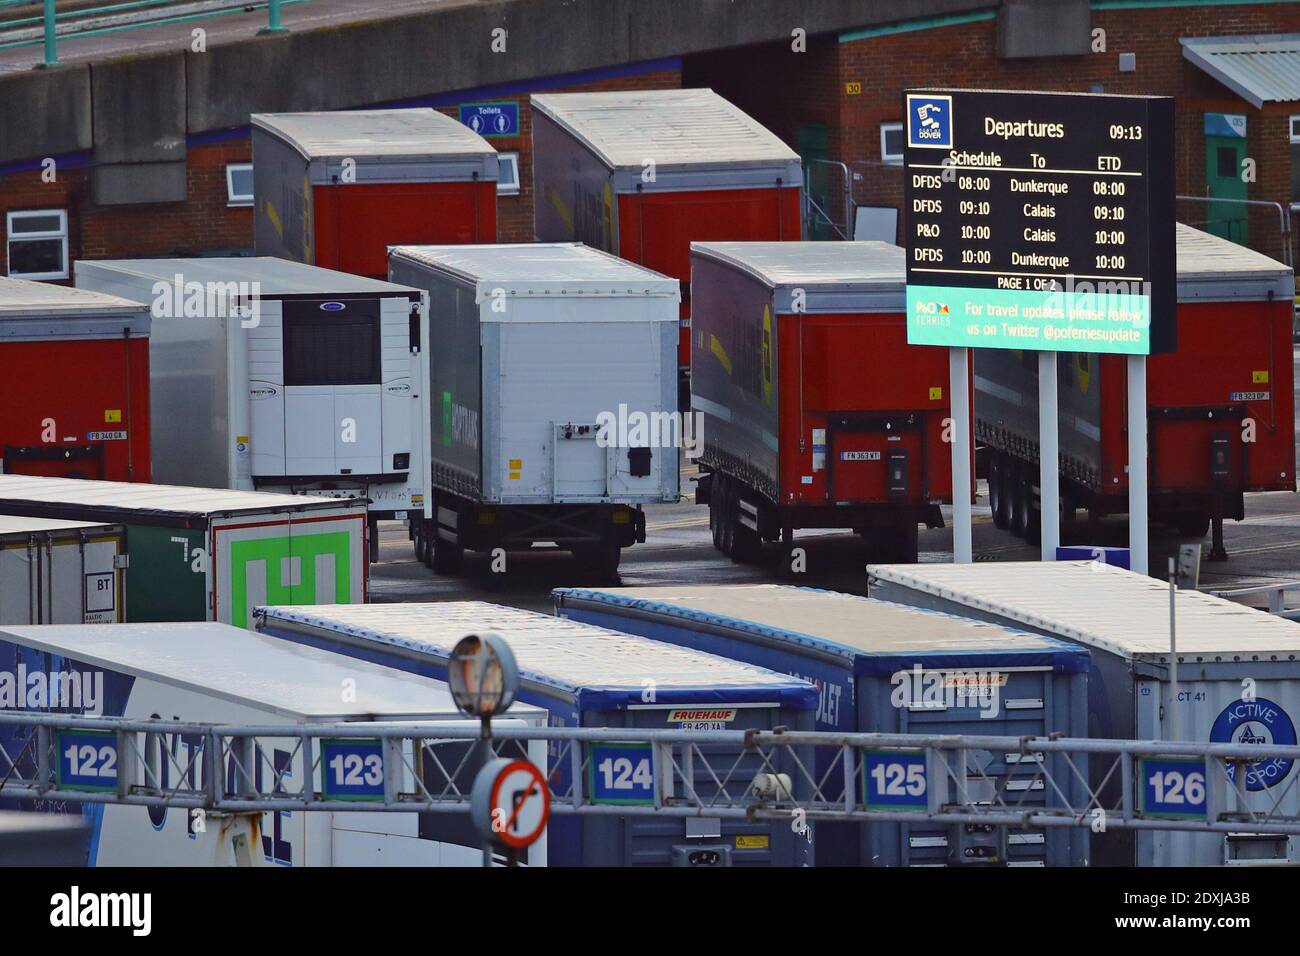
(549, 650)
(1213, 268)
(848, 276)
(675, 128)
(19, 524)
(245, 667)
(156, 499)
(1104, 607)
(875, 627)
(38, 312)
(275, 277)
(540, 269)
(359, 134)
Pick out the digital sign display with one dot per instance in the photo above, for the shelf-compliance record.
(1040, 221)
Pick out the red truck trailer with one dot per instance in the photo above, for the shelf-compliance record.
(1221, 415)
(74, 383)
(816, 411)
(644, 174)
(337, 189)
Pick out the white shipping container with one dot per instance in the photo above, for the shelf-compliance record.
(529, 345)
(61, 572)
(1238, 677)
(313, 392)
(214, 673)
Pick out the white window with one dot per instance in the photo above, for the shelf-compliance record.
(1295, 129)
(508, 175)
(38, 244)
(891, 143)
(239, 184)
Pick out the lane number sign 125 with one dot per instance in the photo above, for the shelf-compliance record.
(894, 780)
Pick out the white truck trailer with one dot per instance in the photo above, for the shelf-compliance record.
(214, 673)
(550, 411)
(272, 375)
(61, 572)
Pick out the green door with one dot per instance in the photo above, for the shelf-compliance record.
(167, 574)
(817, 180)
(1223, 160)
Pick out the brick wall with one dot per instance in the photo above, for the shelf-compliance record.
(964, 55)
(205, 223)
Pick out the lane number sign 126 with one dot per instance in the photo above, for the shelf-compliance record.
(894, 780)
(352, 769)
(87, 760)
(1172, 787)
(621, 774)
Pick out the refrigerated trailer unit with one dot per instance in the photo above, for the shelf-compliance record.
(1220, 409)
(75, 388)
(541, 360)
(885, 668)
(212, 673)
(643, 173)
(61, 572)
(204, 554)
(276, 376)
(587, 676)
(1238, 681)
(816, 411)
(336, 189)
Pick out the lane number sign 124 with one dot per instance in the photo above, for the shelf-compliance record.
(621, 774)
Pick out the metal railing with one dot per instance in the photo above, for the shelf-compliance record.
(51, 24)
(727, 774)
(1274, 595)
(1283, 213)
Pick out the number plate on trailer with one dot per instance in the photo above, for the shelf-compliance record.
(87, 760)
(352, 769)
(620, 774)
(859, 456)
(105, 436)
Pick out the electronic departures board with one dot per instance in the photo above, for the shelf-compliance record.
(1040, 221)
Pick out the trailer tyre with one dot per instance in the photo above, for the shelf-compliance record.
(727, 518)
(1019, 503)
(1193, 525)
(746, 546)
(444, 557)
(999, 472)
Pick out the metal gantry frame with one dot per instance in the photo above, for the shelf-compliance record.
(696, 773)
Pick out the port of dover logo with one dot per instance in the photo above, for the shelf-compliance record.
(1257, 721)
(929, 121)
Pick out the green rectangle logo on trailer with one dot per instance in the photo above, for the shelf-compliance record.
(288, 572)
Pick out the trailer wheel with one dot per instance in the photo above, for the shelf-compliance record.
(1031, 523)
(1019, 504)
(602, 559)
(1193, 525)
(747, 546)
(444, 557)
(727, 518)
(999, 472)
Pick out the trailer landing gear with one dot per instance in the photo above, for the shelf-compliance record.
(1217, 551)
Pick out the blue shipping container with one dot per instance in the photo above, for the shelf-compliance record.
(885, 668)
(592, 677)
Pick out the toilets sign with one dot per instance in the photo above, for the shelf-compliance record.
(491, 119)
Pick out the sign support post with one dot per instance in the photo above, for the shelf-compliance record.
(1049, 477)
(1137, 463)
(959, 387)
